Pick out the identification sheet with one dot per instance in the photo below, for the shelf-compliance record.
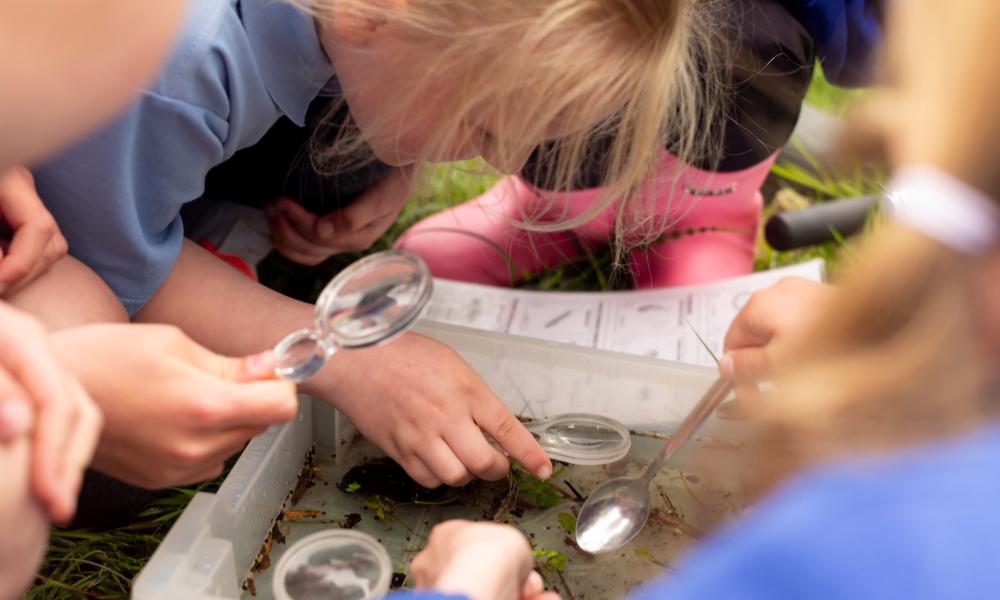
(663, 323)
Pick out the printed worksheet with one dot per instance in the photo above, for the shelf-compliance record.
(663, 323)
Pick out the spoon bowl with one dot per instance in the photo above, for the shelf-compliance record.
(618, 509)
(613, 514)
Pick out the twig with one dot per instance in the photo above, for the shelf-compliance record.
(563, 492)
(576, 492)
(675, 521)
(669, 503)
(569, 592)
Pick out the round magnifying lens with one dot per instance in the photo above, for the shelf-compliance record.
(333, 565)
(370, 302)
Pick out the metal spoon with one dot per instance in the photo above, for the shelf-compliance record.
(618, 509)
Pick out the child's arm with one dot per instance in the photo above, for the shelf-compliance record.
(173, 411)
(415, 398)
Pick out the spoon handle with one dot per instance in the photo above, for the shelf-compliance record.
(705, 407)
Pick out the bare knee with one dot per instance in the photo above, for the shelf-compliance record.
(68, 295)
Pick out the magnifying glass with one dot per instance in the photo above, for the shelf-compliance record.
(371, 302)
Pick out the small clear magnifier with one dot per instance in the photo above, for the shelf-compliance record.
(582, 439)
(369, 303)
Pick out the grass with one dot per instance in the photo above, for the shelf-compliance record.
(829, 98)
(102, 564)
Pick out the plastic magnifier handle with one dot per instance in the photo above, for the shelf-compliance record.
(302, 354)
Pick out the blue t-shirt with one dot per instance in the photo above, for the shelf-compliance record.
(238, 67)
(921, 525)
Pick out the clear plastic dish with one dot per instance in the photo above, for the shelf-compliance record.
(336, 564)
(581, 438)
(370, 302)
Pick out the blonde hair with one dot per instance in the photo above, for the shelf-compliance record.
(636, 75)
(898, 358)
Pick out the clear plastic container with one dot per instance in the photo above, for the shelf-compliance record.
(335, 564)
(582, 438)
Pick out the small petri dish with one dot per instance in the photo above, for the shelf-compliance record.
(582, 439)
(333, 565)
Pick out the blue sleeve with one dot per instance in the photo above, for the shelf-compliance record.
(847, 35)
(117, 196)
(923, 528)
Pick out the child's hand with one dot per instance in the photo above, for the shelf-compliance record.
(760, 338)
(308, 239)
(36, 391)
(427, 409)
(483, 561)
(174, 411)
(35, 240)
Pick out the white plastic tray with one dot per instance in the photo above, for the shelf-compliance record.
(208, 552)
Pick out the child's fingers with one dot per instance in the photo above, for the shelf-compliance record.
(228, 444)
(293, 246)
(746, 365)
(358, 241)
(78, 450)
(42, 380)
(495, 419)
(445, 466)
(25, 254)
(533, 586)
(303, 221)
(420, 472)
(256, 367)
(244, 391)
(479, 456)
(56, 419)
(16, 415)
(258, 404)
(385, 198)
(753, 326)
(55, 249)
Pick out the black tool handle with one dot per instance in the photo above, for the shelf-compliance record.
(817, 224)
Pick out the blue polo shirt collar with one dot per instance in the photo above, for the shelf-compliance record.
(288, 53)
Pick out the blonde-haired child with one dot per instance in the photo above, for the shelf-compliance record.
(695, 219)
(424, 80)
(881, 445)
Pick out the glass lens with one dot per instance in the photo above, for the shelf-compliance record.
(375, 299)
(301, 355)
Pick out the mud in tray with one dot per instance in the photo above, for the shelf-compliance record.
(372, 494)
(215, 548)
